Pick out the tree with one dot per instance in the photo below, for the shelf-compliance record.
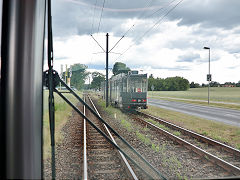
(214, 84)
(97, 78)
(194, 85)
(79, 75)
(151, 76)
(238, 84)
(119, 67)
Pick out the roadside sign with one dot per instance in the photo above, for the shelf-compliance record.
(209, 77)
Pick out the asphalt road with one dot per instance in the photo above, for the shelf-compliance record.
(227, 116)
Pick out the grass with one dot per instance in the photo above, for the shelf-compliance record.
(217, 95)
(62, 112)
(218, 131)
(126, 124)
(176, 133)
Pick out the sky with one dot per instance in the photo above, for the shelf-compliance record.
(161, 37)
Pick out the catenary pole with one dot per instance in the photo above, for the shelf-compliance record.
(107, 70)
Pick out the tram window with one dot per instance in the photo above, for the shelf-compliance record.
(124, 85)
(144, 85)
(138, 85)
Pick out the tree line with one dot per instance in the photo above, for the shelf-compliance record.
(215, 84)
(168, 84)
(79, 75)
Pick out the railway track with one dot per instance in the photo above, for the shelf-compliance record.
(101, 159)
(217, 153)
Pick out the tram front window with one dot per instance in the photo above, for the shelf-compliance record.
(138, 85)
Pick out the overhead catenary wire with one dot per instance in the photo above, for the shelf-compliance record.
(148, 16)
(149, 3)
(98, 25)
(92, 28)
(156, 24)
(159, 9)
(93, 19)
(101, 16)
(161, 18)
(97, 43)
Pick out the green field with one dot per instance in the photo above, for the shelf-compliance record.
(62, 112)
(228, 97)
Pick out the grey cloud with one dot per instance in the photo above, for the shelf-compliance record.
(233, 67)
(76, 16)
(212, 58)
(237, 31)
(170, 68)
(61, 58)
(175, 68)
(214, 13)
(237, 55)
(184, 43)
(188, 57)
(71, 18)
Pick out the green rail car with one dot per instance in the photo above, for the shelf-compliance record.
(128, 91)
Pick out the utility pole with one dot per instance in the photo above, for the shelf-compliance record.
(209, 76)
(107, 52)
(107, 70)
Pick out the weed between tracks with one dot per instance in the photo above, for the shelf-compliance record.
(176, 133)
(142, 134)
(128, 126)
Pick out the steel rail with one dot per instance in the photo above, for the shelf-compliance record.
(85, 177)
(112, 130)
(214, 159)
(129, 168)
(107, 138)
(227, 148)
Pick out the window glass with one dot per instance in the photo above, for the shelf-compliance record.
(138, 84)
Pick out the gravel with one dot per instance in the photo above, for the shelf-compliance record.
(68, 153)
(172, 160)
